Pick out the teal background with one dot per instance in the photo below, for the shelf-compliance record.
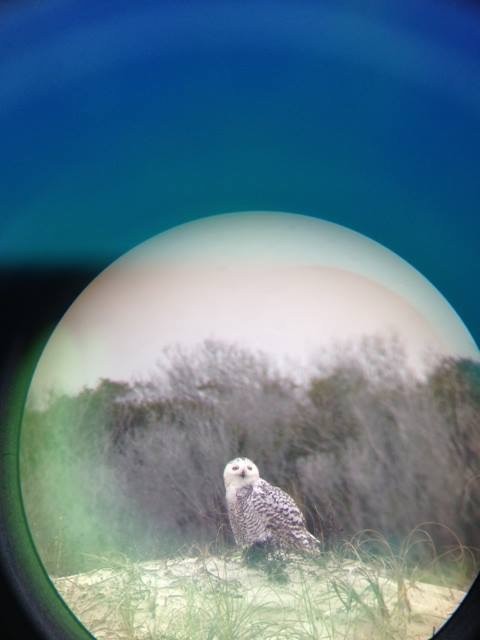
(120, 120)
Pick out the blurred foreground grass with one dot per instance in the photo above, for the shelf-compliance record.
(352, 593)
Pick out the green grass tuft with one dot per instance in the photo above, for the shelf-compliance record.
(363, 590)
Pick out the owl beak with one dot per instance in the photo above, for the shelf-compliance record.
(243, 473)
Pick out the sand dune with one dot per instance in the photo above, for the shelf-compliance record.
(216, 597)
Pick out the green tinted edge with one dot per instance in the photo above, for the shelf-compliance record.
(21, 563)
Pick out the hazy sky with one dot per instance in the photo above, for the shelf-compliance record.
(286, 284)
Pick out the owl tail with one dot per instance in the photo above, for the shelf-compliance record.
(311, 543)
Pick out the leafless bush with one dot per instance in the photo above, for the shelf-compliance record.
(364, 445)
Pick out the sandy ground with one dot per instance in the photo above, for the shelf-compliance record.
(222, 598)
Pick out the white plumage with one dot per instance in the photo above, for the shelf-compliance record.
(262, 514)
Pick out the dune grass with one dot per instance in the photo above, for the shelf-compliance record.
(364, 589)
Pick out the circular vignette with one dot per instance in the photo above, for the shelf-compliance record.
(23, 340)
(254, 231)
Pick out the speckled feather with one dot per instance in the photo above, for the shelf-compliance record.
(263, 513)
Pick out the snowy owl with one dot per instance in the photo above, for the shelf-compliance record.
(261, 514)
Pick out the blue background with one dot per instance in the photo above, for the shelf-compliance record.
(119, 120)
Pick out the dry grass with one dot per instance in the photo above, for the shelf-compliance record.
(355, 593)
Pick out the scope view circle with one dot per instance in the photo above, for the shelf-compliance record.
(281, 338)
(150, 337)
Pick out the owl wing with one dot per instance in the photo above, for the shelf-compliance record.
(277, 506)
(284, 522)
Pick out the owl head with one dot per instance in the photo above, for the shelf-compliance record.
(240, 472)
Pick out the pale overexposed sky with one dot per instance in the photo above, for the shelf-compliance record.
(286, 284)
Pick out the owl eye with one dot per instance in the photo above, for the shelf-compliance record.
(235, 467)
(249, 468)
